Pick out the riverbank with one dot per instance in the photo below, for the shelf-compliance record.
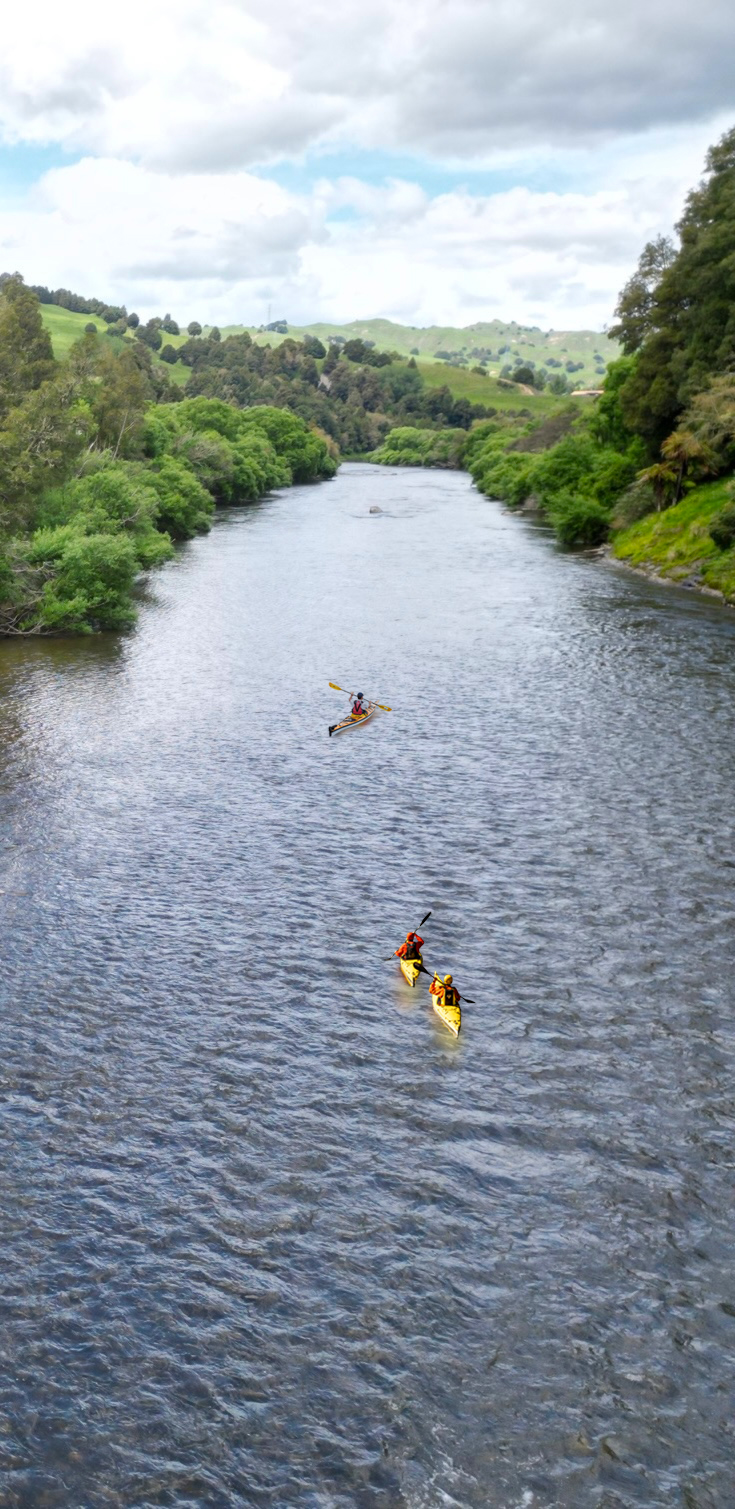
(560, 470)
(676, 545)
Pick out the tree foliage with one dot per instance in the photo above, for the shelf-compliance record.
(678, 311)
(97, 478)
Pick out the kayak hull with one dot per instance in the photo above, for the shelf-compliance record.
(451, 1016)
(410, 970)
(350, 722)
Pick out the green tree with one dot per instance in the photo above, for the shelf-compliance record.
(150, 334)
(636, 305)
(39, 442)
(684, 327)
(26, 355)
(119, 395)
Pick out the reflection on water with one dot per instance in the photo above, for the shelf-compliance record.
(271, 1236)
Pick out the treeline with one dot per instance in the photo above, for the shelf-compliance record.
(352, 393)
(98, 477)
(666, 419)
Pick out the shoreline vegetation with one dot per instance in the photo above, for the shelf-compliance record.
(645, 469)
(101, 472)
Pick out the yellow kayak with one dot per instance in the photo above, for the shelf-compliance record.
(350, 722)
(410, 969)
(451, 1016)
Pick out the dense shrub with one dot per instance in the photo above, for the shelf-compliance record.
(722, 528)
(96, 479)
(579, 521)
(406, 446)
(185, 507)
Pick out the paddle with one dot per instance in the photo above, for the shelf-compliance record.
(337, 688)
(428, 972)
(423, 920)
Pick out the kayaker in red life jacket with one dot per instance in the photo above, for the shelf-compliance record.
(411, 949)
(447, 992)
(359, 708)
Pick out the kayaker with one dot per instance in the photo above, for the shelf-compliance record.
(411, 949)
(359, 708)
(447, 992)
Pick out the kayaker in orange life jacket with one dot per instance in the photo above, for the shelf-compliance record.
(359, 708)
(447, 992)
(411, 949)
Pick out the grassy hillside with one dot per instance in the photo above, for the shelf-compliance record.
(508, 343)
(487, 390)
(524, 344)
(65, 328)
(677, 544)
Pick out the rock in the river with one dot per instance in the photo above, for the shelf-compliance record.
(375, 509)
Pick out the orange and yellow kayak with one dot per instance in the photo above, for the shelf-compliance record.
(350, 722)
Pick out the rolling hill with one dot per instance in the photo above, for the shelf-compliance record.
(496, 343)
(464, 381)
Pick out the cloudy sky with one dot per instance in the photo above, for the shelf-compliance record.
(432, 161)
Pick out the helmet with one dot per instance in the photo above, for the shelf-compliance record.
(361, 694)
(447, 979)
(410, 937)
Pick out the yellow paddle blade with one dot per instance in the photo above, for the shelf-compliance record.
(337, 688)
(383, 709)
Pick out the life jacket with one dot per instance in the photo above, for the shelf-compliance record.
(358, 709)
(450, 995)
(412, 950)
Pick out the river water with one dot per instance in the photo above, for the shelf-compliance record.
(270, 1235)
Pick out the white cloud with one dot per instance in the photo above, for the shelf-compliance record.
(173, 102)
(224, 246)
(206, 84)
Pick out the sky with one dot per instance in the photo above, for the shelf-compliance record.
(431, 162)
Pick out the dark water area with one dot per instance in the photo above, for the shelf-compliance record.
(270, 1235)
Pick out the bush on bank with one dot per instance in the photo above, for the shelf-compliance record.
(574, 484)
(97, 478)
(406, 446)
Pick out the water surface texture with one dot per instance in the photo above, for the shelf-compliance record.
(272, 1237)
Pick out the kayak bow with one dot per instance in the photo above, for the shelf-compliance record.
(410, 969)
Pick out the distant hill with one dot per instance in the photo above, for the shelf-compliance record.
(582, 354)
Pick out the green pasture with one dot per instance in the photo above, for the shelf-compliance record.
(65, 327)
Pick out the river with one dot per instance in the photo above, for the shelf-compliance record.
(271, 1236)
